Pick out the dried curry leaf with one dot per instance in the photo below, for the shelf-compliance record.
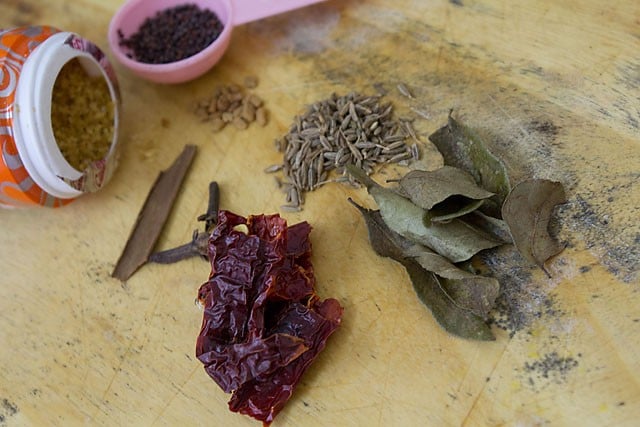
(467, 290)
(384, 241)
(527, 211)
(450, 316)
(455, 240)
(497, 228)
(454, 210)
(429, 188)
(430, 289)
(461, 147)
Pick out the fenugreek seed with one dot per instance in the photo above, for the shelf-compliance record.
(251, 82)
(256, 101)
(222, 104)
(262, 117)
(248, 112)
(218, 124)
(227, 117)
(203, 115)
(240, 123)
(236, 98)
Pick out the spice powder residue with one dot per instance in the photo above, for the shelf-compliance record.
(82, 115)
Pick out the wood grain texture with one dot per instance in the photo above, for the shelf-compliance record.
(555, 86)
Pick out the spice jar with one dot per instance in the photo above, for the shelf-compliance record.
(59, 107)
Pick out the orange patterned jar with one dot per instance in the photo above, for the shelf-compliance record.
(59, 107)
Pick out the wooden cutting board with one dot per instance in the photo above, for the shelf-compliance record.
(557, 87)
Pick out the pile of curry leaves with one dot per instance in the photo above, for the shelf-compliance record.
(434, 222)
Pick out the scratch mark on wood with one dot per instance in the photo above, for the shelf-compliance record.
(178, 390)
(465, 420)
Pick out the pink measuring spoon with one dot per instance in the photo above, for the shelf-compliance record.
(231, 13)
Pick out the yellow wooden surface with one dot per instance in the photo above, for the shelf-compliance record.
(558, 86)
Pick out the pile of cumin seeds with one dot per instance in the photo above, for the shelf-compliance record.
(340, 130)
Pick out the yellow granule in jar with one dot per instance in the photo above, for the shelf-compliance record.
(82, 115)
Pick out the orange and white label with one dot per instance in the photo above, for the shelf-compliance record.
(17, 188)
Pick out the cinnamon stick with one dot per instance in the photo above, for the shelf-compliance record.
(153, 215)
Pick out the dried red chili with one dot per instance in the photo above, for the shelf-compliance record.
(263, 323)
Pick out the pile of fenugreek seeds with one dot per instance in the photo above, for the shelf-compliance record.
(82, 115)
(352, 129)
(231, 104)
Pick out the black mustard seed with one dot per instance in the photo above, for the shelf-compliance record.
(173, 34)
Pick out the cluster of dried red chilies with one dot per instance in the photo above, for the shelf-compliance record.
(263, 323)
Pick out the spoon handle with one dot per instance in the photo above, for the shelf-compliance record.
(253, 10)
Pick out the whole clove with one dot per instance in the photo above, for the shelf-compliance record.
(198, 244)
